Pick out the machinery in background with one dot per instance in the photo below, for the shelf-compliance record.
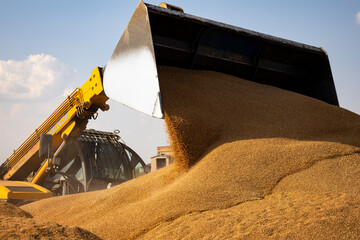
(96, 160)
(163, 158)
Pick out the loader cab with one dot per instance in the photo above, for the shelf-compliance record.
(97, 160)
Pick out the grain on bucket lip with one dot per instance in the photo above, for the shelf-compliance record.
(252, 161)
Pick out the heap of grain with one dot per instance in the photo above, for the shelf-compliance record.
(252, 161)
(19, 224)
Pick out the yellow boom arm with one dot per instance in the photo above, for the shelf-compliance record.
(66, 123)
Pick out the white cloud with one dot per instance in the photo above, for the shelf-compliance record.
(28, 79)
(358, 17)
(9, 111)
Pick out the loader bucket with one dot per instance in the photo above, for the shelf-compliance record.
(159, 36)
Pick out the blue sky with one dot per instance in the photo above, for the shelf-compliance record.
(70, 38)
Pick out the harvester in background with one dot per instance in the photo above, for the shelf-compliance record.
(159, 35)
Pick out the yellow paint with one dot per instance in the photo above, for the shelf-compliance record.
(61, 123)
(22, 161)
(41, 173)
(6, 194)
(171, 7)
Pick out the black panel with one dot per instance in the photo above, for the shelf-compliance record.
(191, 42)
(22, 189)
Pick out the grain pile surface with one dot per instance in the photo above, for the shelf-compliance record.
(16, 223)
(252, 161)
